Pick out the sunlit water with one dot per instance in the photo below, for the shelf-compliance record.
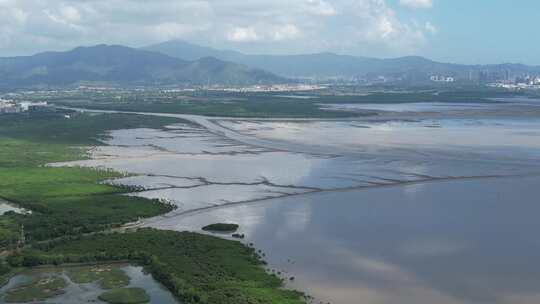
(432, 206)
(469, 241)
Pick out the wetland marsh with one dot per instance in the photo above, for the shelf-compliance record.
(362, 208)
(431, 203)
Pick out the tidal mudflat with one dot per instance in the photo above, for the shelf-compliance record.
(411, 207)
(467, 241)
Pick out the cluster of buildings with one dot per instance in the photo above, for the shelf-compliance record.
(268, 88)
(8, 106)
(441, 78)
(527, 82)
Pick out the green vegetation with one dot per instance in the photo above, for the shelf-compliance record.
(15, 153)
(125, 296)
(268, 104)
(68, 201)
(277, 107)
(64, 201)
(476, 96)
(81, 129)
(70, 206)
(38, 290)
(8, 230)
(196, 268)
(107, 276)
(221, 227)
(6, 272)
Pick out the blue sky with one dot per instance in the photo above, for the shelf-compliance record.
(480, 31)
(460, 31)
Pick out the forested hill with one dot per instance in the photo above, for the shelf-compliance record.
(124, 65)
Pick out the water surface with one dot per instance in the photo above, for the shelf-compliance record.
(89, 293)
(431, 204)
(456, 242)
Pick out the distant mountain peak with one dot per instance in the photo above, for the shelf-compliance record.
(329, 64)
(190, 51)
(123, 65)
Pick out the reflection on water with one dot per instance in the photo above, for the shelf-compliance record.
(410, 107)
(441, 242)
(88, 293)
(439, 208)
(204, 170)
(492, 137)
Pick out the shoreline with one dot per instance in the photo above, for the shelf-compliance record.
(145, 223)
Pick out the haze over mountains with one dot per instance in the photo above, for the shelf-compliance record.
(182, 63)
(324, 65)
(123, 65)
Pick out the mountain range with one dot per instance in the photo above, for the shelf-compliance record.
(181, 63)
(124, 66)
(327, 65)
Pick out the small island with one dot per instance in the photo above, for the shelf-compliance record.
(106, 276)
(125, 296)
(38, 290)
(221, 228)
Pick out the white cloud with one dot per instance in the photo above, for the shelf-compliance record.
(70, 14)
(173, 30)
(19, 15)
(320, 7)
(379, 28)
(430, 28)
(243, 34)
(417, 3)
(286, 32)
(363, 27)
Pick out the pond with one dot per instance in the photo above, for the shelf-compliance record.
(74, 292)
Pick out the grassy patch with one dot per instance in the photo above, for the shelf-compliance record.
(125, 296)
(64, 201)
(82, 129)
(8, 230)
(221, 227)
(6, 272)
(233, 106)
(15, 153)
(107, 276)
(267, 104)
(38, 290)
(68, 201)
(71, 201)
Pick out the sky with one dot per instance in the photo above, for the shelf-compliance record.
(458, 31)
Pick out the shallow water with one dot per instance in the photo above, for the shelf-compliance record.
(441, 242)
(492, 137)
(409, 107)
(490, 107)
(85, 293)
(413, 207)
(312, 157)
